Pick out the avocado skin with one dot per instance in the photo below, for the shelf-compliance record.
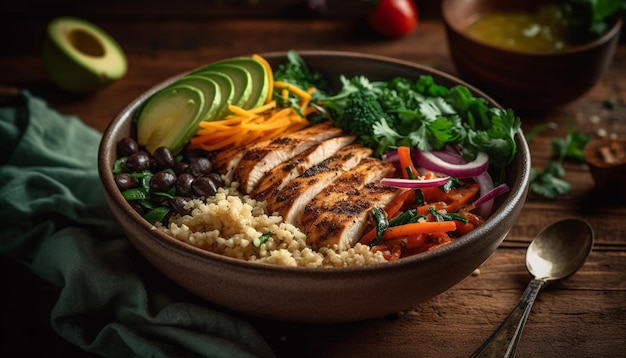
(226, 88)
(212, 94)
(257, 86)
(241, 78)
(63, 62)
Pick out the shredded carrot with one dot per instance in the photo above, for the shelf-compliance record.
(397, 203)
(459, 197)
(295, 90)
(404, 154)
(244, 126)
(392, 210)
(463, 228)
(424, 227)
(415, 241)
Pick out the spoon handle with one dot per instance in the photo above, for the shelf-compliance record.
(503, 342)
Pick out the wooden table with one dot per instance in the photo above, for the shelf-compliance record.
(584, 316)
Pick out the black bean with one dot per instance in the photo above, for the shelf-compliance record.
(138, 162)
(162, 181)
(183, 184)
(126, 181)
(164, 158)
(203, 186)
(127, 146)
(181, 167)
(200, 166)
(217, 179)
(178, 204)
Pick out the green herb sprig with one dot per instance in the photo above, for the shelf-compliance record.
(549, 182)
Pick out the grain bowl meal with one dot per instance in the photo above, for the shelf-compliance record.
(270, 165)
(359, 158)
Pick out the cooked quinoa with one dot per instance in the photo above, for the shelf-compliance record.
(234, 225)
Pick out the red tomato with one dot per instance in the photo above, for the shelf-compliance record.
(394, 18)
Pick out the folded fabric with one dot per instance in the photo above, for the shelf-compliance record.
(54, 220)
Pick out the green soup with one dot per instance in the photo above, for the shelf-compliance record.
(543, 30)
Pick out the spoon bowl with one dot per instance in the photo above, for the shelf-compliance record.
(557, 252)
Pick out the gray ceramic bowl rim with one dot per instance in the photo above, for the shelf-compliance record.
(517, 190)
(599, 41)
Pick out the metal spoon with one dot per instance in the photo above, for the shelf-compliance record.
(557, 252)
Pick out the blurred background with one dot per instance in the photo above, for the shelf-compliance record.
(195, 9)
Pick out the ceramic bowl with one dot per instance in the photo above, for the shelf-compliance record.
(523, 80)
(326, 295)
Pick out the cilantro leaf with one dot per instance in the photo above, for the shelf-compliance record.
(571, 147)
(549, 183)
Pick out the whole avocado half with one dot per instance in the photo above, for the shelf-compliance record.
(80, 57)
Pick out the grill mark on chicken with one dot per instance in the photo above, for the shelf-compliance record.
(278, 176)
(339, 213)
(225, 162)
(289, 201)
(260, 159)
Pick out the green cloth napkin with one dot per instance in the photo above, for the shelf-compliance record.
(54, 220)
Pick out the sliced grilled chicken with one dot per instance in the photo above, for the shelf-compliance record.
(278, 176)
(339, 213)
(262, 157)
(289, 201)
(226, 161)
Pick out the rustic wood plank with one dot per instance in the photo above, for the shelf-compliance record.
(456, 322)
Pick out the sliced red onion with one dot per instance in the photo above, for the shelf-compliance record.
(490, 195)
(391, 156)
(430, 161)
(449, 156)
(414, 183)
(485, 184)
(487, 195)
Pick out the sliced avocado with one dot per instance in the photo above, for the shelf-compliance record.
(170, 118)
(227, 89)
(212, 94)
(259, 79)
(241, 80)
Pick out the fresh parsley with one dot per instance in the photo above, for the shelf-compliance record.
(550, 182)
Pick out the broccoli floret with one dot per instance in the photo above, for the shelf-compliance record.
(363, 116)
(362, 110)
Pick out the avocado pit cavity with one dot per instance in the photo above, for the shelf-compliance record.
(86, 43)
